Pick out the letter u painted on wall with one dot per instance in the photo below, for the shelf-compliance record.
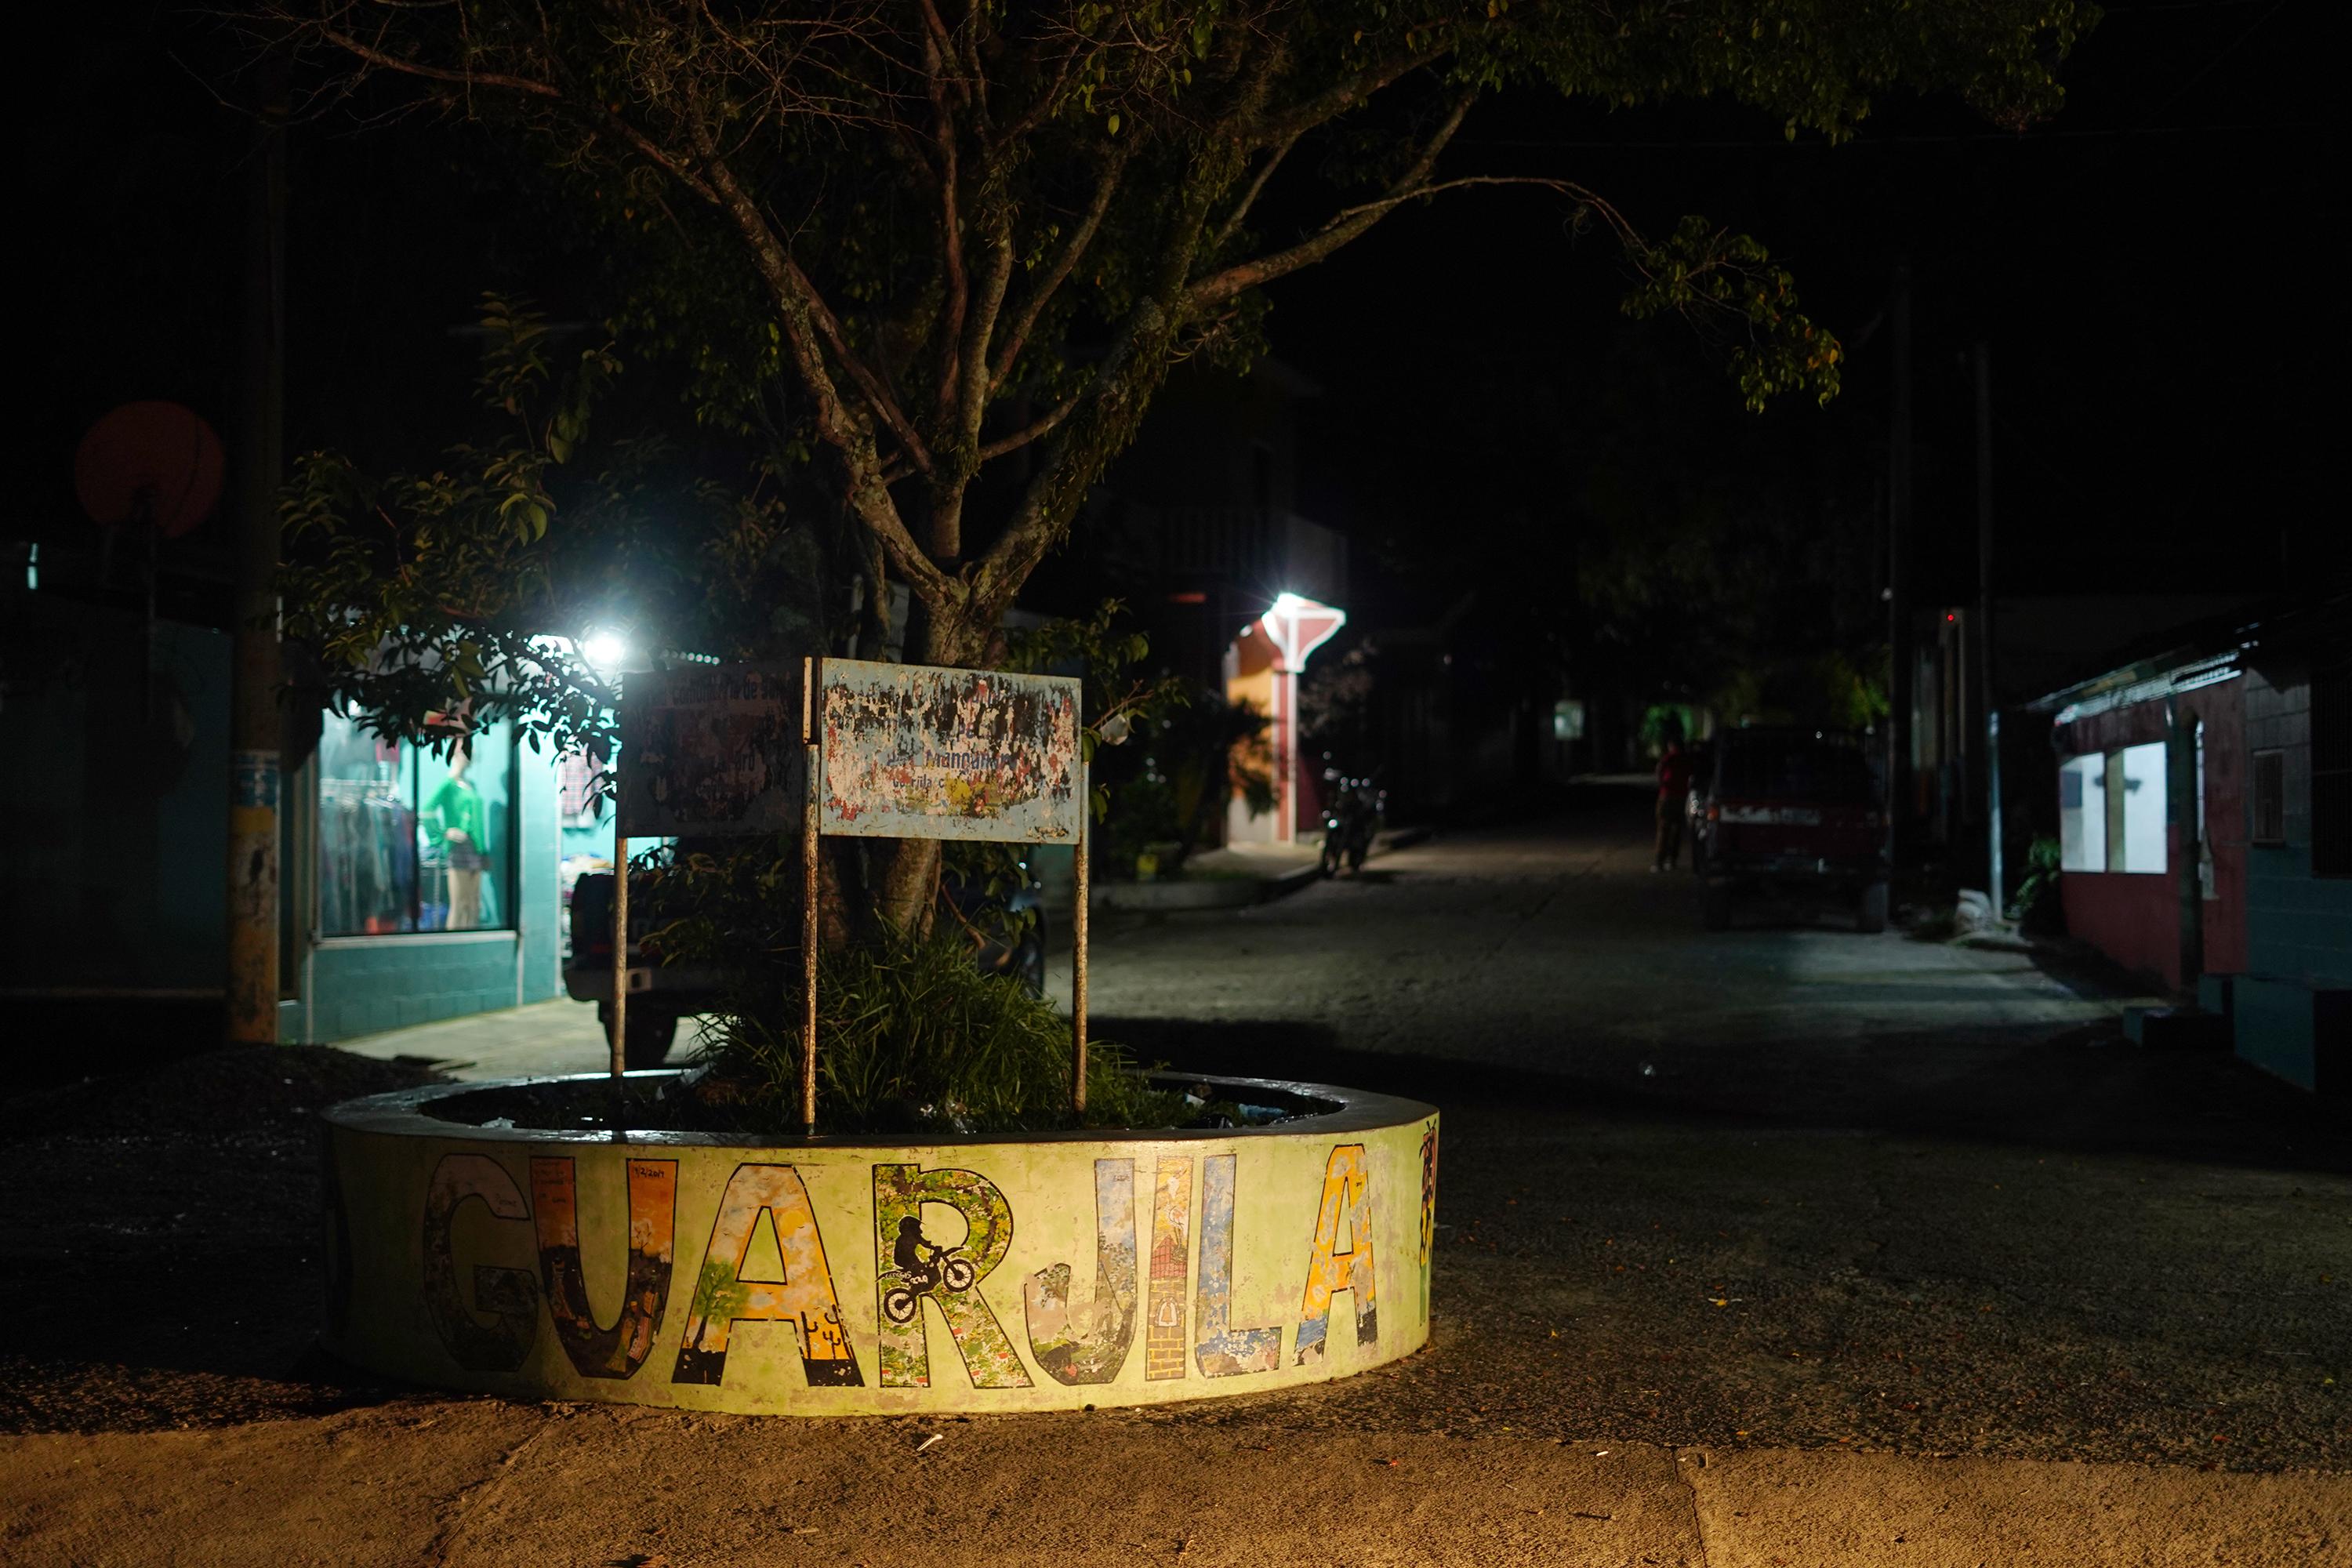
(619, 1350)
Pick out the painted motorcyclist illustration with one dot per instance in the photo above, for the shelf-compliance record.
(924, 1268)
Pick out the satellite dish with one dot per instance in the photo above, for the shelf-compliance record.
(153, 463)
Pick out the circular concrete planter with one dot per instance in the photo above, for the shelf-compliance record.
(829, 1277)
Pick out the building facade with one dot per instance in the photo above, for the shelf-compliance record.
(2205, 825)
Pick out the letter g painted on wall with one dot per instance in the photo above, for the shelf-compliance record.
(510, 1296)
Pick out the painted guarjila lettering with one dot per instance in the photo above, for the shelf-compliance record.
(510, 1296)
(911, 1267)
(804, 1298)
(1088, 1342)
(593, 1351)
(1347, 1194)
(1226, 1350)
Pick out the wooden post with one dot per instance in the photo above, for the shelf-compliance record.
(1078, 950)
(620, 948)
(808, 897)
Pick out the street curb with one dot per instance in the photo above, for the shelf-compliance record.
(1235, 893)
(1289, 882)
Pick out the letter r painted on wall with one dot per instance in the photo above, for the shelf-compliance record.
(1346, 1196)
(911, 1268)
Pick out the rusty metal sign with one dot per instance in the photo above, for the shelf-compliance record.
(915, 751)
(711, 750)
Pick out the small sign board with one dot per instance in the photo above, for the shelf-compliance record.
(917, 752)
(711, 750)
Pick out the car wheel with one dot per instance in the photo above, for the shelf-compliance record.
(1870, 909)
(1718, 906)
(650, 1032)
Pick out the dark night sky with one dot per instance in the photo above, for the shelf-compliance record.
(2162, 378)
(2146, 269)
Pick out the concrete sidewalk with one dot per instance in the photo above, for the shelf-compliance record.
(563, 1036)
(479, 1482)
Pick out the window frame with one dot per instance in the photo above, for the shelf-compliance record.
(2266, 765)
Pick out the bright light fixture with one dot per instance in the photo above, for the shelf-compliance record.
(606, 651)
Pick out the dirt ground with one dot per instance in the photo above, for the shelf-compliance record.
(1912, 1261)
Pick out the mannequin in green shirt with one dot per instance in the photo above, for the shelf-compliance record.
(458, 806)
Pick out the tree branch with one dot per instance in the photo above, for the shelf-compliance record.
(1026, 321)
(1249, 195)
(1273, 129)
(1029, 432)
(1344, 226)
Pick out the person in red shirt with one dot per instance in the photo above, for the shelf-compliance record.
(1673, 790)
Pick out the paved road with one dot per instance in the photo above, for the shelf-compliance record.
(1551, 949)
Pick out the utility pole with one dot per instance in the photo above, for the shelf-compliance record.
(1899, 579)
(1991, 698)
(253, 720)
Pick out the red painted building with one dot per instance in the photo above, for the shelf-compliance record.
(2152, 815)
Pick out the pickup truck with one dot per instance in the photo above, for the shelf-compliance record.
(661, 994)
(1792, 811)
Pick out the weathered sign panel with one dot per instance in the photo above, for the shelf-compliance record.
(711, 750)
(973, 1275)
(914, 751)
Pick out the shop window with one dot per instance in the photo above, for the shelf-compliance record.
(409, 840)
(2141, 785)
(2269, 798)
(2083, 813)
(2111, 807)
(2331, 772)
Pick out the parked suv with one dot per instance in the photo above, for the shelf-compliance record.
(1792, 811)
(661, 994)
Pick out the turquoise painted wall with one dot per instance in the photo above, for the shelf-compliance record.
(2298, 926)
(117, 802)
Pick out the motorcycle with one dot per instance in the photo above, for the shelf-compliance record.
(1349, 821)
(943, 1269)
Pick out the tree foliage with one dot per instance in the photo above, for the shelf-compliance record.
(952, 251)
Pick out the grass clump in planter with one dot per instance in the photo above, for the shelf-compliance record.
(912, 1037)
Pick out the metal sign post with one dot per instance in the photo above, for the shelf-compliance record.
(620, 950)
(1078, 951)
(808, 899)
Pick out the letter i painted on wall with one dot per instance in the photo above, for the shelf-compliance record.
(1226, 1350)
(1172, 1219)
(1347, 1194)
(804, 1297)
(619, 1350)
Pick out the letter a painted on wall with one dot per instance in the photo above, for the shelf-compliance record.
(1089, 1343)
(1347, 1193)
(509, 1295)
(1226, 1350)
(909, 1269)
(619, 1350)
(804, 1297)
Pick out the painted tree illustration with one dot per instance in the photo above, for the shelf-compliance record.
(965, 242)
